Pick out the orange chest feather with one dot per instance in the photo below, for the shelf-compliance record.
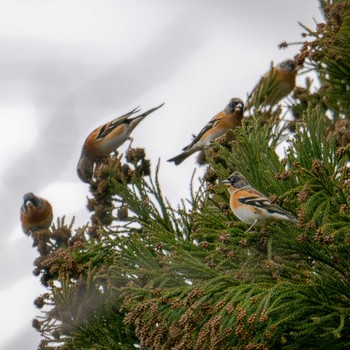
(236, 204)
(37, 216)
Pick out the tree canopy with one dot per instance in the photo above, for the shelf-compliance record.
(143, 273)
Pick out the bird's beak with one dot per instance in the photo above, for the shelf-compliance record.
(29, 204)
(225, 183)
(239, 107)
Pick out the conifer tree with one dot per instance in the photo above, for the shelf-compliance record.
(144, 273)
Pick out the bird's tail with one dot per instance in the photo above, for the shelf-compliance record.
(287, 216)
(136, 120)
(182, 156)
(292, 218)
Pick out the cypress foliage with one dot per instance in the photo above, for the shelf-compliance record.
(145, 273)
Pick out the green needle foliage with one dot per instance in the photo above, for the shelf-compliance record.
(143, 273)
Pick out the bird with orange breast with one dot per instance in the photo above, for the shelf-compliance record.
(251, 206)
(36, 213)
(275, 84)
(229, 118)
(106, 139)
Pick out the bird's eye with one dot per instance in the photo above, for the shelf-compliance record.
(232, 179)
(236, 178)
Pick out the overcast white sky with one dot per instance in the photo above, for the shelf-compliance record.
(67, 66)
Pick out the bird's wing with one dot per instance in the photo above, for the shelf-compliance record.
(105, 129)
(207, 127)
(258, 200)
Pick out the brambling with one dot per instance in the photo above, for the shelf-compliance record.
(225, 120)
(36, 213)
(251, 206)
(275, 84)
(106, 139)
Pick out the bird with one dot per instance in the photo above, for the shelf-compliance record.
(36, 213)
(251, 206)
(229, 118)
(276, 84)
(105, 139)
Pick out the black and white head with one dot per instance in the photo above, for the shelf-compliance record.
(85, 168)
(235, 104)
(237, 180)
(287, 66)
(31, 200)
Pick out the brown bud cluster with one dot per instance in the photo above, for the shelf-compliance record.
(252, 319)
(253, 300)
(230, 308)
(126, 173)
(341, 132)
(39, 302)
(302, 237)
(232, 254)
(225, 238)
(283, 45)
(36, 324)
(210, 175)
(122, 213)
(263, 316)
(284, 175)
(303, 195)
(341, 152)
(317, 166)
(310, 225)
(134, 155)
(296, 165)
(322, 238)
(343, 208)
(302, 217)
(243, 243)
(204, 244)
(319, 236)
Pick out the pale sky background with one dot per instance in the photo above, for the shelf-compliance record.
(68, 66)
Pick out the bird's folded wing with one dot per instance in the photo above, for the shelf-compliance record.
(207, 127)
(108, 127)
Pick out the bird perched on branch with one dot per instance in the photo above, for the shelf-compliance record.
(276, 84)
(225, 120)
(106, 139)
(36, 213)
(251, 206)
